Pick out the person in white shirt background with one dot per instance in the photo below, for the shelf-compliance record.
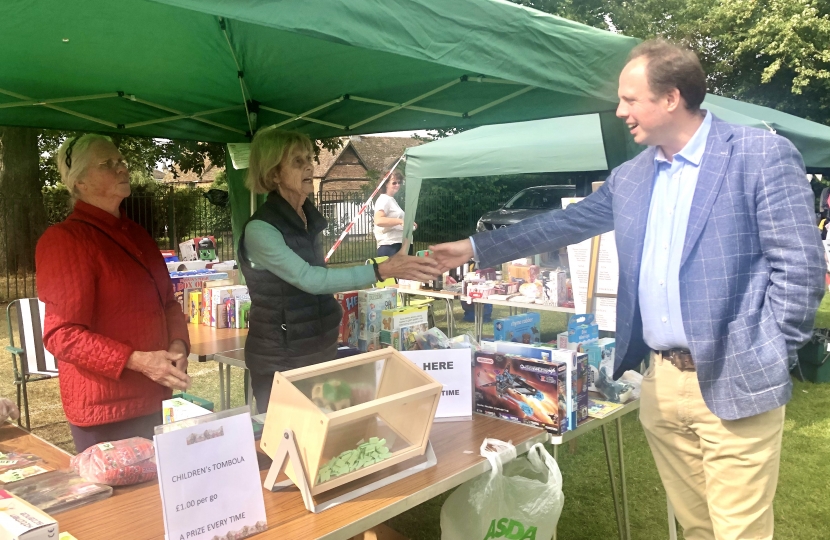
(389, 217)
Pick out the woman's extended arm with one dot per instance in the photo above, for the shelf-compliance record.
(265, 247)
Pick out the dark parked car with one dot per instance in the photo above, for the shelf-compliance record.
(524, 204)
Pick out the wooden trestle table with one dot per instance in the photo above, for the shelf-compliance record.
(135, 512)
(206, 342)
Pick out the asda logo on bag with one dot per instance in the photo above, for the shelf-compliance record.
(510, 529)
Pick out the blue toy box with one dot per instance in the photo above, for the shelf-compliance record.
(524, 328)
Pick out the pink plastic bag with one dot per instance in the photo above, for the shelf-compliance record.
(117, 463)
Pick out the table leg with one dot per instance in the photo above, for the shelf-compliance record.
(556, 459)
(620, 527)
(249, 393)
(450, 318)
(478, 310)
(221, 387)
(622, 479)
(228, 387)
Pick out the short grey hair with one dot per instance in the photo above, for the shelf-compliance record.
(268, 149)
(78, 158)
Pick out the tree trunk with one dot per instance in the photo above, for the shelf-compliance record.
(22, 214)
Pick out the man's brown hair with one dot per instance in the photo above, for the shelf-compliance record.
(671, 66)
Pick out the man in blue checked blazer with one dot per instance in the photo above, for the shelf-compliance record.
(721, 273)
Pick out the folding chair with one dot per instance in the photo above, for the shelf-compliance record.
(36, 363)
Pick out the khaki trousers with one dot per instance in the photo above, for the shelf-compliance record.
(720, 475)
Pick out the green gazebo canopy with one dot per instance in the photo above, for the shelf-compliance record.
(201, 69)
(592, 142)
(216, 70)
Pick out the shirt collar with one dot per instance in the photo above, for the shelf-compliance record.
(693, 151)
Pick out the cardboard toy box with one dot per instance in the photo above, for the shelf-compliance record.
(207, 298)
(222, 299)
(523, 328)
(177, 409)
(370, 306)
(520, 389)
(186, 282)
(243, 311)
(19, 520)
(600, 356)
(195, 310)
(232, 315)
(576, 382)
(347, 335)
(369, 344)
(582, 329)
(555, 288)
(399, 326)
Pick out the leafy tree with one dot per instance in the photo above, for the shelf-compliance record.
(22, 216)
(774, 53)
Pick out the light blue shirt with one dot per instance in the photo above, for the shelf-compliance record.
(265, 248)
(668, 216)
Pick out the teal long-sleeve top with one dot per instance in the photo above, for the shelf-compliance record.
(265, 247)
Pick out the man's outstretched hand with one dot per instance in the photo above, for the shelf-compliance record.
(452, 254)
(403, 266)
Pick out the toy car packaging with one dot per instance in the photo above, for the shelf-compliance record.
(521, 389)
(347, 335)
(523, 328)
(576, 381)
(117, 463)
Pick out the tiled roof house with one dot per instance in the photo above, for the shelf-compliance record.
(348, 168)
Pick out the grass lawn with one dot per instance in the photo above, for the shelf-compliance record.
(823, 313)
(801, 503)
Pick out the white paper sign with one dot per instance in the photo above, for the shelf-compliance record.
(240, 154)
(209, 478)
(608, 275)
(453, 369)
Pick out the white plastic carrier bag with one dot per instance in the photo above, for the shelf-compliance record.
(519, 499)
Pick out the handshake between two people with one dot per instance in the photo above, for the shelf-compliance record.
(443, 257)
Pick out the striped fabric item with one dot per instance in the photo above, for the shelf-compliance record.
(36, 359)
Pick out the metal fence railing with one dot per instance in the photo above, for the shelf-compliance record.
(171, 216)
(339, 207)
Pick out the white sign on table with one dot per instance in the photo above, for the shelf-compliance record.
(453, 369)
(209, 477)
(608, 275)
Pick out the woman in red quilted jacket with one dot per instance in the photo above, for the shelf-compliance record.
(111, 320)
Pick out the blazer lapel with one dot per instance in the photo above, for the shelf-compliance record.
(642, 190)
(710, 177)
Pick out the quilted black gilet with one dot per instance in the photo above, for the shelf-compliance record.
(288, 327)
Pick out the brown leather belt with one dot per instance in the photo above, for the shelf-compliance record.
(679, 358)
